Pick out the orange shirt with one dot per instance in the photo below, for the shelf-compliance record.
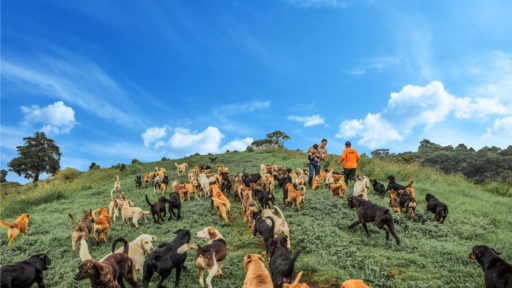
(350, 157)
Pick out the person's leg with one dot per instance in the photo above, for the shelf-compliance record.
(317, 169)
(311, 172)
(346, 173)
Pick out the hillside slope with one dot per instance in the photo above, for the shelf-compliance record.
(431, 255)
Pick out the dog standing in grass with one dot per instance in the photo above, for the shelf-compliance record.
(20, 225)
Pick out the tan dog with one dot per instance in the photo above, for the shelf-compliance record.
(280, 225)
(134, 213)
(410, 189)
(82, 229)
(137, 251)
(296, 283)
(220, 202)
(393, 201)
(296, 196)
(180, 189)
(160, 172)
(361, 187)
(181, 168)
(257, 275)
(316, 183)
(147, 179)
(117, 185)
(239, 187)
(191, 175)
(249, 206)
(208, 257)
(101, 224)
(354, 284)
(20, 225)
(338, 189)
(114, 204)
(191, 188)
(269, 181)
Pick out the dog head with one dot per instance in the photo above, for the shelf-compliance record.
(429, 196)
(256, 215)
(183, 234)
(392, 193)
(87, 214)
(391, 178)
(41, 259)
(373, 181)
(354, 202)
(278, 242)
(25, 217)
(251, 258)
(209, 234)
(482, 254)
(145, 242)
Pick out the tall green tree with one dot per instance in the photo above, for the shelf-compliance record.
(3, 175)
(39, 155)
(278, 138)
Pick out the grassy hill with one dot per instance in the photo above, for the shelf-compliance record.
(431, 254)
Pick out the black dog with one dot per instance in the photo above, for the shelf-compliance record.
(174, 203)
(226, 185)
(437, 207)
(369, 212)
(261, 226)
(158, 208)
(408, 203)
(165, 258)
(25, 273)
(138, 182)
(250, 178)
(281, 264)
(378, 188)
(393, 185)
(498, 273)
(265, 198)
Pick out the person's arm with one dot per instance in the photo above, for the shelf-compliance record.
(342, 158)
(357, 157)
(324, 155)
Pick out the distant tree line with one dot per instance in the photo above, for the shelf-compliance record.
(489, 164)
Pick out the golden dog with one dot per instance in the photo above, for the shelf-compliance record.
(393, 201)
(296, 196)
(354, 284)
(181, 169)
(296, 283)
(249, 206)
(257, 275)
(191, 188)
(338, 189)
(20, 225)
(220, 202)
(134, 213)
(101, 224)
(147, 179)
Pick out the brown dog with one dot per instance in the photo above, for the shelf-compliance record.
(114, 268)
(354, 284)
(82, 229)
(249, 206)
(338, 189)
(220, 202)
(147, 179)
(296, 283)
(393, 201)
(101, 224)
(296, 196)
(410, 189)
(257, 275)
(191, 188)
(316, 183)
(20, 225)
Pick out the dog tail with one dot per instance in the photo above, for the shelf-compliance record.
(6, 224)
(289, 270)
(280, 213)
(297, 279)
(149, 203)
(126, 245)
(273, 224)
(185, 247)
(303, 188)
(84, 251)
(176, 164)
(72, 219)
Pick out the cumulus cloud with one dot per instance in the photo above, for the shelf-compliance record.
(308, 120)
(373, 130)
(151, 135)
(502, 127)
(186, 142)
(57, 118)
(238, 145)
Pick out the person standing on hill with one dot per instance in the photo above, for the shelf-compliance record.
(351, 158)
(316, 154)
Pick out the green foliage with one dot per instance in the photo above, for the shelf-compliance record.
(3, 174)
(275, 139)
(164, 158)
(94, 166)
(68, 174)
(38, 155)
(135, 161)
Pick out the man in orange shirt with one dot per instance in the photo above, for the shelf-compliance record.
(351, 158)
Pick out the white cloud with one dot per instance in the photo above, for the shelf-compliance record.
(57, 118)
(151, 135)
(373, 131)
(185, 142)
(378, 64)
(238, 145)
(502, 128)
(308, 120)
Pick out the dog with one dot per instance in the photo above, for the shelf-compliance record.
(316, 183)
(498, 273)
(181, 168)
(82, 229)
(138, 182)
(114, 205)
(101, 224)
(281, 264)
(261, 227)
(157, 183)
(369, 212)
(408, 203)
(165, 258)
(117, 185)
(174, 204)
(206, 169)
(209, 257)
(296, 196)
(378, 188)
(25, 273)
(257, 275)
(285, 181)
(250, 178)
(355, 283)
(158, 208)
(437, 207)
(147, 179)
(192, 175)
(105, 273)
(296, 283)
(160, 172)
(14, 228)
(409, 189)
(249, 206)
(134, 213)
(220, 202)
(180, 189)
(239, 188)
(265, 198)
(226, 185)
(205, 183)
(393, 185)
(164, 184)
(394, 202)
(337, 189)
(192, 189)
(280, 227)
(361, 187)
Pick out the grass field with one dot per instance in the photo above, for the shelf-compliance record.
(430, 254)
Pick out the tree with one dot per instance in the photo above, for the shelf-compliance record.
(278, 138)
(38, 155)
(3, 174)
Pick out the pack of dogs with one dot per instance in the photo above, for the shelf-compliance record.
(266, 220)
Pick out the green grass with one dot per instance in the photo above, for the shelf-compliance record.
(431, 255)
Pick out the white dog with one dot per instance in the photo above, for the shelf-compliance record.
(204, 181)
(129, 212)
(280, 224)
(114, 204)
(361, 187)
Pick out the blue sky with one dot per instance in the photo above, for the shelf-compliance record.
(110, 81)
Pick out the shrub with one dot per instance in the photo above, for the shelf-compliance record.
(249, 149)
(94, 166)
(68, 174)
(164, 158)
(135, 161)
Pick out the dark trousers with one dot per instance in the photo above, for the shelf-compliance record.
(314, 169)
(350, 173)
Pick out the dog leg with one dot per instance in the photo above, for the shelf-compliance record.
(366, 229)
(354, 224)
(200, 272)
(163, 276)
(178, 272)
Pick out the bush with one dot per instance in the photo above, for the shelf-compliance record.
(135, 161)
(68, 174)
(164, 158)
(121, 166)
(249, 149)
(94, 166)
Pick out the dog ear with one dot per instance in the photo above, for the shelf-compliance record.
(101, 268)
(497, 253)
(154, 239)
